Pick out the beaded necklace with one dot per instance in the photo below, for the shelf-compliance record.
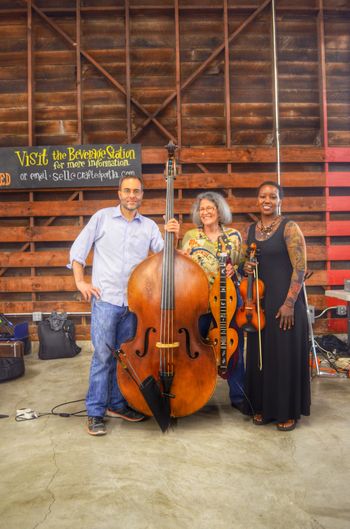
(266, 231)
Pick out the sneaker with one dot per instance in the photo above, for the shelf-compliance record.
(96, 426)
(126, 413)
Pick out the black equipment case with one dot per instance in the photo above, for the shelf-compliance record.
(15, 331)
(11, 359)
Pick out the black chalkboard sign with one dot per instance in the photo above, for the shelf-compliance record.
(68, 166)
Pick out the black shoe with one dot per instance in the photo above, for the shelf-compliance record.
(96, 426)
(126, 413)
(238, 405)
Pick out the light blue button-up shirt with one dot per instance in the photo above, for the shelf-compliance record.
(119, 245)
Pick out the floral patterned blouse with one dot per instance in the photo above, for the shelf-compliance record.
(204, 251)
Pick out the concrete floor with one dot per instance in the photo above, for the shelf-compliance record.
(212, 470)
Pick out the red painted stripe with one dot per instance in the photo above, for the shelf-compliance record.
(338, 179)
(337, 203)
(337, 277)
(337, 154)
(339, 253)
(338, 325)
(332, 302)
(338, 227)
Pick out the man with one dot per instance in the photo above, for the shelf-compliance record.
(122, 238)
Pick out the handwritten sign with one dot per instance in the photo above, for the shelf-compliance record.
(68, 166)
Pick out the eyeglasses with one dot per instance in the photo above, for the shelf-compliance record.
(208, 209)
(127, 191)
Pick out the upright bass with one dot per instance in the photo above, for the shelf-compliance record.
(168, 292)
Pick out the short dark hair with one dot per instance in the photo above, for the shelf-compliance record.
(126, 176)
(274, 184)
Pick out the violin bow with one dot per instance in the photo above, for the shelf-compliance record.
(256, 273)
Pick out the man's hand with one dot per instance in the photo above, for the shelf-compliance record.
(87, 290)
(173, 226)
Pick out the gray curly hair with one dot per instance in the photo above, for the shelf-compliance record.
(224, 213)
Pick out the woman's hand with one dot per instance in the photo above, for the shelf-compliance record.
(229, 270)
(249, 267)
(286, 315)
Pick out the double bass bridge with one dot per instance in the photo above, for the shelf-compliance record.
(173, 345)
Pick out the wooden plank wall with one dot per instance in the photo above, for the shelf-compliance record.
(200, 73)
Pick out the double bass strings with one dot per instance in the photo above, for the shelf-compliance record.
(167, 305)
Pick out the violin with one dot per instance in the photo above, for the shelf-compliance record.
(250, 317)
(223, 303)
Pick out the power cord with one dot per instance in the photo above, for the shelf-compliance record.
(66, 414)
(329, 356)
(27, 414)
(325, 310)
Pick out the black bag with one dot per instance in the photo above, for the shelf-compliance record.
(11, 360)
(334, 345)
(57, 337)
(11, 368)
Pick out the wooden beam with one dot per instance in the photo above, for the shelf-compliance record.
(235, 180)
(60, 258)
(178, 74)
(15, 307)
(338, 203)
(101, 69)
(44, 259)
(235, 155)
(339, 179)
(38, 284)
(152, 206)
(67, 284)
(127, 71)
(30, 74)
(340, 228)
(204, 65)
(49, 221)
(69, 233)
(78, 74)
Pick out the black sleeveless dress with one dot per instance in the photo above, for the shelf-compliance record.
(281, 391)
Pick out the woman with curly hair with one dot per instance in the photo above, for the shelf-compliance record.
(204, 244)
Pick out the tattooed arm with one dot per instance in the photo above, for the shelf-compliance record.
(297, 254)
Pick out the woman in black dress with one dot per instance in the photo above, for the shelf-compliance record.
(279, 390)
